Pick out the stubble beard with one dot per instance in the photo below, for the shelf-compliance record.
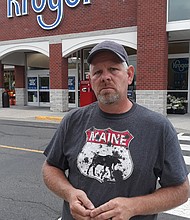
(108, 99)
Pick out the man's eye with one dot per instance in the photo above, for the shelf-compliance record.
(97, 73)
(112, 69)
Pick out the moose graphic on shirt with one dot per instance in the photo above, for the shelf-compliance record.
(105, 155)
(107, 161)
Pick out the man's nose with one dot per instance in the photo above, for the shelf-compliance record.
(105, 76)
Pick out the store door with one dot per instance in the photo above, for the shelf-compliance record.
(73, 88)
(38, 88)
(44, 99)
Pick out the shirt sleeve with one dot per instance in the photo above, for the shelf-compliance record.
(55, 149)
(174, 170)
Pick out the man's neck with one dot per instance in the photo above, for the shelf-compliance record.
(116, 108)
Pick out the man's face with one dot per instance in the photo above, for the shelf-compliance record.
(110, 78)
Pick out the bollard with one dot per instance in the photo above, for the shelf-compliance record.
(5, 100)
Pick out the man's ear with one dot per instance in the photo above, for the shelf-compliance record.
(130, 72)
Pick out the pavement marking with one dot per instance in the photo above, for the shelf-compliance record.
(50, 118)
(183, 138)
(21, 149)
(187, 160)
(185, 147)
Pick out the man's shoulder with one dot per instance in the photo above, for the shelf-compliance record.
(82, 111)
(150, 115)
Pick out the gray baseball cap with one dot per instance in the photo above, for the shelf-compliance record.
(112, 46)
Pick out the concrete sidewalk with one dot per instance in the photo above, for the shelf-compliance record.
(180, 122)
(43, 114)
(31, 113)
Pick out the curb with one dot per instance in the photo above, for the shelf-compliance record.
(49, 118)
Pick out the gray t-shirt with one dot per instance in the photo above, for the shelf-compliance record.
(116, 155)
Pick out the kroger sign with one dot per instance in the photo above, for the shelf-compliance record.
(180, 65)
(38, 6)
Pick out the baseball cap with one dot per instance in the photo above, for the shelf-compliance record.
(112, 46)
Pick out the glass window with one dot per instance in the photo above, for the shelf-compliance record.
(178, 10)
(9, 80)
(86, 71)
(177, 85)
(71, 83)
(32, 96)
(178, 74)
(44, 96)
(86, 52)
(43, 82)
(73, 59)
(72, 97)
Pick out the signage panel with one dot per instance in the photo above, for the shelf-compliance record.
(180, 65)
(32, 83)
(20, 8)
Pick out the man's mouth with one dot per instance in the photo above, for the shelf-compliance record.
(106, 88)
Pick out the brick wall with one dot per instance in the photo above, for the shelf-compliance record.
(152, 44)
(99, 15)
(58, 68)
(19, 76)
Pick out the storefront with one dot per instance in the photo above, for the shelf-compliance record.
(178, 23)
(38, 78)
(48, 43)
(178, 75)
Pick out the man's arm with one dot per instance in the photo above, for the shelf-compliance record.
(58, 183)
(161, 200)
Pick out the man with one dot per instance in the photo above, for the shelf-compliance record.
(115, 151)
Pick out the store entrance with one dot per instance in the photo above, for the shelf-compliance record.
(38, 88)
(9, 84)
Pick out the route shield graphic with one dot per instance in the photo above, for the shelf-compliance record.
(106, 155)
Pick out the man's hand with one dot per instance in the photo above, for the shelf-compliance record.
(161, 200)
(57, 182)
(80, 205)
(118, 208)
